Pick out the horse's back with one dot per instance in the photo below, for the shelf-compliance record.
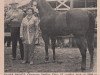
(74, 21)
(79, 20)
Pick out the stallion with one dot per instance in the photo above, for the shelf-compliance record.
(77, 22)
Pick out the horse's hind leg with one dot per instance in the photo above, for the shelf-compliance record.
(46, 41)
(53, 40)
(80, 41)
(90, 43)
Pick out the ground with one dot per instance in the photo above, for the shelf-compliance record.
(67, 60)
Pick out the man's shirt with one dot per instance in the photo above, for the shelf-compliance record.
(15, 16)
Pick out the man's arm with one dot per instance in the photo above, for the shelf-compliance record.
(8, 16)
(21, 29)
(21, 15)
(36, 27)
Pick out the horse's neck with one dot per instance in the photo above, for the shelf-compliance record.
(45, 8)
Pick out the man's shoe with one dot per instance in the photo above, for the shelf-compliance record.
(20, 58)
(23, 62)
(31, 63)
(13, 58)
(8, 46)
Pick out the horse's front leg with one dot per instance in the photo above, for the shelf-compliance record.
(53, 40)
(46, 41)
(82, 47)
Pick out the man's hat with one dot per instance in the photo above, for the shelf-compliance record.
(13, 3)
(35, 3)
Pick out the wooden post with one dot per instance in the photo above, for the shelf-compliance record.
(85, 4)
(71, 4)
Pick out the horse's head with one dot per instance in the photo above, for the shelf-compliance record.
(43, 7)
(36, 3)
(39, 3)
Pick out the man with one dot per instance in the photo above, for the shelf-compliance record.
(14, 17)
(7, 39)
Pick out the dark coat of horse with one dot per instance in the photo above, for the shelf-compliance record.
(78, 22)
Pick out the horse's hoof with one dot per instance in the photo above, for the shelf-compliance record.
(91, 66)
(46, 58)
(91, 69)
(54, 61)
(46, 61)
(83, 69)
(31, 63)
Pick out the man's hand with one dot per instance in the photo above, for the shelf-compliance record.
(21, 38)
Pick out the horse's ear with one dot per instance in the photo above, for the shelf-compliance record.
(34, 0)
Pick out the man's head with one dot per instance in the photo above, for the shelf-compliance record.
(14, 5)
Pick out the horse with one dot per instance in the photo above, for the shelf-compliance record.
(80, 23)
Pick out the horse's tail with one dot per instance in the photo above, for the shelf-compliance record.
(91, 28)
(91, 23)
(90, 38)
(90, 32)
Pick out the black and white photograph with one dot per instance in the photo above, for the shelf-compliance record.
(50, 36)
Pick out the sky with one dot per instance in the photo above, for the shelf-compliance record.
(21, 2)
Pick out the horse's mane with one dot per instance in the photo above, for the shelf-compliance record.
(46, 6)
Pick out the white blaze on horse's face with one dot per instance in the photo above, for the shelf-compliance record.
(35, 0)
(34, 3)
(38, 0)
